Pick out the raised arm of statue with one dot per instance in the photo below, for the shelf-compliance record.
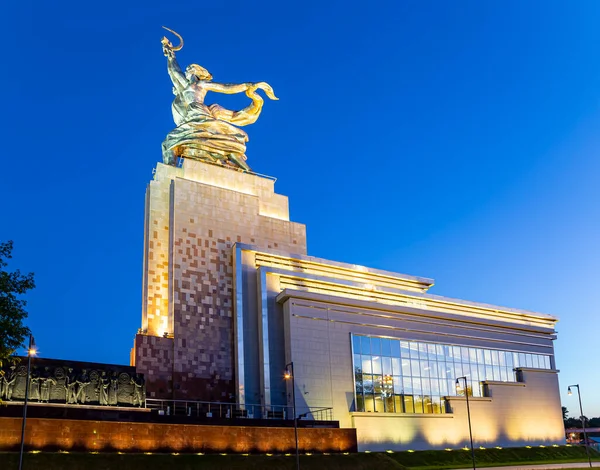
(177, 76)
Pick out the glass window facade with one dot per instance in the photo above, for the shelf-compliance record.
(396, 376)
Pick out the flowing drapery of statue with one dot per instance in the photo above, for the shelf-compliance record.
(207, 132)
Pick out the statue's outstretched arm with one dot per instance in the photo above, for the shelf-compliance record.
(226, 88)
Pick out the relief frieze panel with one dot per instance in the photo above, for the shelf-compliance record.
(72, 383)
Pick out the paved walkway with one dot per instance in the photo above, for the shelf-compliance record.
(546, 466)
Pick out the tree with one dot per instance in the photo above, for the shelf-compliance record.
(12, 309)
(565, 413)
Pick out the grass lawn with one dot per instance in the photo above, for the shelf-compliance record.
(493, 457)
(422, 460)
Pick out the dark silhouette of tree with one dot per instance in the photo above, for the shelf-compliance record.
(576, 422)
(12, 309)
(594, 422)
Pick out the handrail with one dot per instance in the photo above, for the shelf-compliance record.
(212, 409)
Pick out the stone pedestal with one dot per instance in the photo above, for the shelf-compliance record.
(193, 217)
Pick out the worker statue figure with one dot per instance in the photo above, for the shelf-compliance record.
(207, 132)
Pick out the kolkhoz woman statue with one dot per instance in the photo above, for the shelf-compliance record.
(207, 132)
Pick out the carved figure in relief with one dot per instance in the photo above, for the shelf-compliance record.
(9, 383)
(83, 380)
(2, 383)
(45, 381)
(207, 132)
(103, 384)
(34, 385)
(139, 390)
(113, 391)
(70, 385)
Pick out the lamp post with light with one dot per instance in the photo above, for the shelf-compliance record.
(289, 374)
(30, 352)
(468, 417)
(585, 441)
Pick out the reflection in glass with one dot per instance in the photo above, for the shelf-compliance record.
(509, 359)
(395, 347)
(398, 386)
(367, 383)
(407, 385)
(480, 359)
(396, 369)
(502, 357)
(376, 365)
(389, 403)
(409, 404)
(386, 365)
(496, 371)
(360, 402)
(375, 345)
(385, 347)
(369, 403)
(377, 384)
(427, 405)
(398, 403)
(529, 361)
(365, 345)
(495, 359)
(472, 356)
(418, 404)
(356, 344)
(397, 376)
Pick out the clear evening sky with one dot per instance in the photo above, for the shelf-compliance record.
(452, 140)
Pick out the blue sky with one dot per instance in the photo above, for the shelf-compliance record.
(452, 140)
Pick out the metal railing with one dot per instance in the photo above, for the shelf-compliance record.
(224, 410)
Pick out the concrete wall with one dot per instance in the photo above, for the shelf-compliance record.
(317, 335)
(81, 435)
(515, 414)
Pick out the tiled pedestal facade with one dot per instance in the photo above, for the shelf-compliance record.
(193, 217)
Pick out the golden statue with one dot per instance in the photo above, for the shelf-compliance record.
(207, 132)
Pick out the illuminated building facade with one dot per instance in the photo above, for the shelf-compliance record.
(231, 297)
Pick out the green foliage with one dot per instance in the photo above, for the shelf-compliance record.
(12, 309)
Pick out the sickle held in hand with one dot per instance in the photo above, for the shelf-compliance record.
(178, 48)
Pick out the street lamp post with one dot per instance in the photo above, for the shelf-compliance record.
(585, 441)
(468, 417)
(30, 352)
(289, 374)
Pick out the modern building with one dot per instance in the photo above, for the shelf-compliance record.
(231, 297)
